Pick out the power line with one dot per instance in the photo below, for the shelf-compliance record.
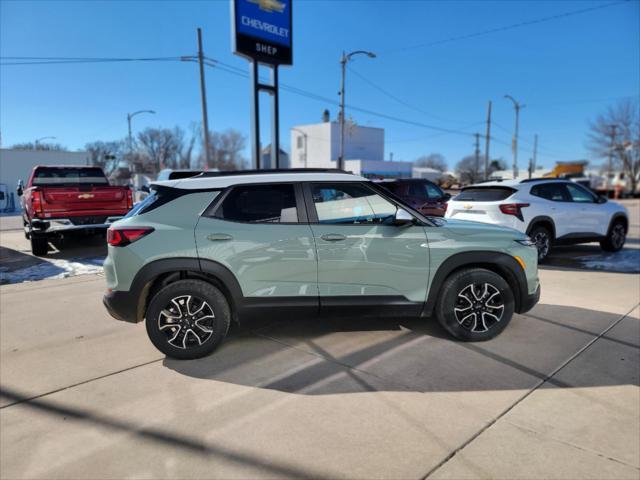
(78, 60)
(505, 27)
(397, 99)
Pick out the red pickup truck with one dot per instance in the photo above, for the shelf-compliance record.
(63, 200)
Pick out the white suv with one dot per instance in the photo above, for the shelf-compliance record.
(550, 211)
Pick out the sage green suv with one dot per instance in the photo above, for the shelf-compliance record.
(201, 252)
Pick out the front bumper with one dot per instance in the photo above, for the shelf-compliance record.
(121, 306)
(528, 302)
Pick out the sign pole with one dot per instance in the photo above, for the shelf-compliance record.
(255, 115)
(262, 33)
(275, 120)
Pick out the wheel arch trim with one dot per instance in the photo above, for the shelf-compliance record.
(545, 219)
(498, 262)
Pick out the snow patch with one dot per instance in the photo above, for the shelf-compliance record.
(53, 268)
(624, 261)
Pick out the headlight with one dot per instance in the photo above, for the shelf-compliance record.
(527, 242)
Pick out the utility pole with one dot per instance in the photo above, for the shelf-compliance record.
(532, 165)
(611, 149)
(343, 67)
(203, 94)
(514, 144)
(477, 157)
(486, 145)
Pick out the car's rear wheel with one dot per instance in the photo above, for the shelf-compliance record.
(542, 238)
(39, 245)
(475, 304)
(615, 238)
(188, 319)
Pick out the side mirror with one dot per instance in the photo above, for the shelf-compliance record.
(145, 189)
(402, 217)
(20, 188)
(601, 199)
(446, 197)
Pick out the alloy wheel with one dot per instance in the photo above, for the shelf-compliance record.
(479, 307)
(542, 242)
(617, 236)
(187, 321)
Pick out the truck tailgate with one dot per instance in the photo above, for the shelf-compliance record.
(80, 199)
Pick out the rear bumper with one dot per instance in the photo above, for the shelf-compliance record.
(121, 306)
(60, 225)
(528, 302)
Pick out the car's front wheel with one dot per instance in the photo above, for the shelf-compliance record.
(39, 245)
(475, 304)
(615, 238)
(188, 319)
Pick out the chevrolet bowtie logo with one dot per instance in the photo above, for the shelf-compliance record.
(269, 5)
(86, 195)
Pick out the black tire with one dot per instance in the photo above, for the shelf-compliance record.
(543, 238)
(39, 245)
(463, 318)
(616, 237)
(202, 334)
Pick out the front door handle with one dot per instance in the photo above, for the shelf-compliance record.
(216, 237)
(333, 237)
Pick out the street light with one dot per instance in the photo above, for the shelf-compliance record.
(40, 139)
(343, 62)
(129, 117)
(514, 144)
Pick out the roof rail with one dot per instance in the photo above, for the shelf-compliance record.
(542, 179)
(271, 171)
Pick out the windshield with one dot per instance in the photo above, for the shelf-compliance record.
(60, 177)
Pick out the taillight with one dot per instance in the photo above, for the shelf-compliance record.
(36, 201)
(514, 209)
(120, 237)
(129, 199)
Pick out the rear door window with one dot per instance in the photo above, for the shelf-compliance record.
(484, 194)
(555, 192)
(260, 204)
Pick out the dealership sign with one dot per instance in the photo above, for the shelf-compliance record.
(262, 30)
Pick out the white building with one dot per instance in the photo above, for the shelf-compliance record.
(17, 165)
(427, 173)
(266, 158)
(318, 146)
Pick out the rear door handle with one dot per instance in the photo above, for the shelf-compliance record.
(216, 237)
(333, 237)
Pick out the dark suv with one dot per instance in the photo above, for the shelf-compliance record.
(423, 195)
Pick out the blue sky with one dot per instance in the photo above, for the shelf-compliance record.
(565, 71)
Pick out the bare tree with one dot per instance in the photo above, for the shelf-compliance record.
(226, 150)
(434, 160)
(185, 159)
(158, 148)
(38, 146)
(466, 170)
(105, 154)
(616, 132)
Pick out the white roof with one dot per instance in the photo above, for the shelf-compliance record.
(515, 183)
(241, 179)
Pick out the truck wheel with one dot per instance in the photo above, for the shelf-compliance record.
(475, 304)
(615, 238)
(188, 319)
(542, 237)
(39, 245)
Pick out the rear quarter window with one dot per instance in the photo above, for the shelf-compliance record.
(484, 194)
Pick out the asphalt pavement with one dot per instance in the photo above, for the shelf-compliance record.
(555, 396)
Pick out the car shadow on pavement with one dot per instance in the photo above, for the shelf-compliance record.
(320, 357)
